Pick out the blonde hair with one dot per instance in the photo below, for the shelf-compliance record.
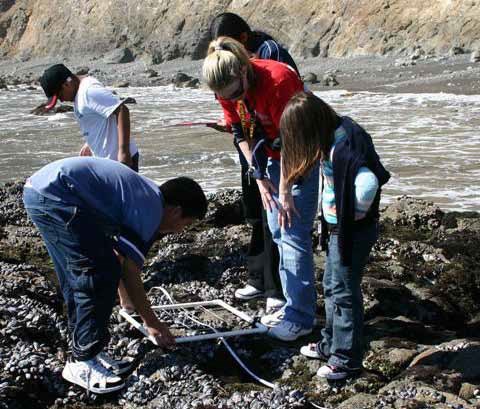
(225, 59)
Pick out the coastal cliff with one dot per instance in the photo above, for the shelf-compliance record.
(158, 31)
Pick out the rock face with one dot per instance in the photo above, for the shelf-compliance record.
(171, 29)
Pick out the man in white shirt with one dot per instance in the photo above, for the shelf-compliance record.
(103, 118)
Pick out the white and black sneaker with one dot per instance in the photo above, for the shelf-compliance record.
(249, 292)
(117, 367)
(335, 373)
(271, 320)
(274, 304)
(92, 376)
(288, 331)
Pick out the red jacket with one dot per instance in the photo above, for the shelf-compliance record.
(275, 84)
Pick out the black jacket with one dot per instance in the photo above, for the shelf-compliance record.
(352, 153)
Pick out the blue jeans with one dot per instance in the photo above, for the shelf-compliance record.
(87, 269)
(295, 247)
(342, 337)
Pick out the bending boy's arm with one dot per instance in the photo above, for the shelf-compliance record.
(123, 130)
(134, 288)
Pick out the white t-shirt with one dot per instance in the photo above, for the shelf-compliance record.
(93, 108)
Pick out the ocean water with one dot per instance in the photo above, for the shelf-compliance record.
(429, 142)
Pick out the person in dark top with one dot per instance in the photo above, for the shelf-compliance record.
(262, 45)
(262, 257)
(351, 178)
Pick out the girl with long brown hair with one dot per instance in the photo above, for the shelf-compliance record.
(351, 177)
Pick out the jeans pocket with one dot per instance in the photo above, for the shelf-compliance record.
(81, 272)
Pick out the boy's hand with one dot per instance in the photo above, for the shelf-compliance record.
(160, 332)
(85, 151)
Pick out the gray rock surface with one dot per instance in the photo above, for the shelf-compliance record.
(162, 31)
(416, 355)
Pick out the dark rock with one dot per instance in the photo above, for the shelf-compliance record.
(82, 71)
(460, 356)
(119, 56)
(129, 100)
(407, 211)
(121, 84)
(182, 80)
(151, 73)
(456, 50)
(40, 110)
(310, 78)
(468, 391)
(329, 80)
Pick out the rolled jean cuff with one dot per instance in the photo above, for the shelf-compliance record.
(346, 364)
(84, 353)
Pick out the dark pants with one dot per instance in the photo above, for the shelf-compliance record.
(262, 256)
(342, 337)
(87, 269)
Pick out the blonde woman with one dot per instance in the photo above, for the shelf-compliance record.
(253, 94)
(352, 175)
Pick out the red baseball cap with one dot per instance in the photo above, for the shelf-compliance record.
(51, 82)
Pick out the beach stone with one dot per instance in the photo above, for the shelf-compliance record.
(182, 80)
(58, 109)
(461, 356)
(456, 50)
(151, 73)
(475, 57)
(119, 56)
(310, 78)
(129, 100)
(417, 213)
(121, 84)
(467, 391)
(82, 71)
(329, 80)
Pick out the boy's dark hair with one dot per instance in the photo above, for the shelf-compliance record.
(228, 25)
(187, 194)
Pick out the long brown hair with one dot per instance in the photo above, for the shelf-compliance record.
(307, 129)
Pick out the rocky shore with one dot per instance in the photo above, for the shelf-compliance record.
(457, 72)
(422, 318)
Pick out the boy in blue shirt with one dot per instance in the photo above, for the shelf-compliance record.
(98, 219)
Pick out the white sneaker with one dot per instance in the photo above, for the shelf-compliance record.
(311, 351)
(274, 304)
(116, 367)
(92, 376)
(288, 331)
(248, 292)
(270, 320)
(332, 373)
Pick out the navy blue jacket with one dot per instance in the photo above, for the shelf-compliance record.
(351, 153)
(268, 49)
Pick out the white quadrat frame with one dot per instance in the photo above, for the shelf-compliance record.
(259, 328)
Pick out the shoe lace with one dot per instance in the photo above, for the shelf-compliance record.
(98, 371)
(102, 356)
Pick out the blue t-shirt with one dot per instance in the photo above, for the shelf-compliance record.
(110, 189)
